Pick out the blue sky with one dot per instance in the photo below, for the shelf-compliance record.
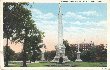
(80, 20)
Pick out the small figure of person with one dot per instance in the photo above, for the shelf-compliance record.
(60, 60)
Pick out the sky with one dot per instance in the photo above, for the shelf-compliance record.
(80, 21)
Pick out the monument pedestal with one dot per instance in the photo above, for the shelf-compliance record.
(60, 52)
(78, 60)
(56, 59)
(78, 57)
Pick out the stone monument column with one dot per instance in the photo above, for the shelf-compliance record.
(42, 58)
(60, 48)
(78, 55)
(42, 53)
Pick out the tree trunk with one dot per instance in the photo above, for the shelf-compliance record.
(24, 55)
(24, 48)
(30, 61)
(24, 59)
(6, 64)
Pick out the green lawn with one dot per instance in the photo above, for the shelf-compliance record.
(90, 64)
(70, 64)
(38, 64)
(14, 64)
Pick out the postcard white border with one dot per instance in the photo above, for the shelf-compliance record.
(54, 68)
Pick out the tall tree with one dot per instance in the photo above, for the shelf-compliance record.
(11, 19)
(19, 25)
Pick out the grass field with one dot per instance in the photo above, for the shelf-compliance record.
(70, 64)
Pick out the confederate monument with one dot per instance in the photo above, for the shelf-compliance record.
(43, 50)
(42, 58)
(78, 55)
(60, 48)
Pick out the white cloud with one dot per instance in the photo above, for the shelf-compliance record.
(37, 14)
(86, 30)
(88, 24)
(89, 13)
(46, 22)
(47, 26)
(36, 11)
(96, 25)
(74, 16)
